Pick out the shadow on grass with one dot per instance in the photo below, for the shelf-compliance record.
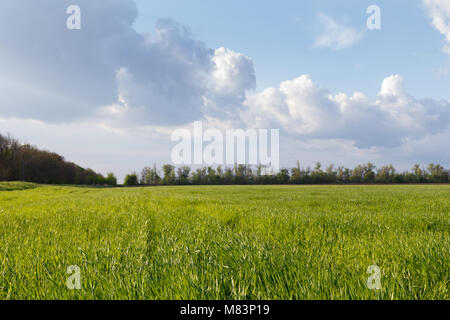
(17, 186)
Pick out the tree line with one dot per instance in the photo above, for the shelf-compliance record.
(24, 162)
(244, 174)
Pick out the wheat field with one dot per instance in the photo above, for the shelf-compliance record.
(224, 242)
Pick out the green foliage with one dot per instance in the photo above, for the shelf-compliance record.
(437, 173)
(150, 176)
(244, 174)
(226, 242)
(111, 179)
(169, 174)
(23, 162)
(131, 180)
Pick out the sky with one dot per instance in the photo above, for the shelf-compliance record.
(279, 36)
(109, 95)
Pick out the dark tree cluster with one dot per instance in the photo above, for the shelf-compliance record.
(243, 174)
(23, 162)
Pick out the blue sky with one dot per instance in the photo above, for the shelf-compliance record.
(110, 94)
(279, 37)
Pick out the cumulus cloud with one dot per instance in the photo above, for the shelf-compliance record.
(335, 35)
(233, 73)
(232, 76)
(303, 109)
(54, 74)
(439, 12)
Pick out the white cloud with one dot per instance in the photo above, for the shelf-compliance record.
(303, 109)
(54, 74)
(232, 76)
(233, 73)
(439, 12)
(337, 36)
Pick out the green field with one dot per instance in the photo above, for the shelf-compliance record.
(225, 242)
